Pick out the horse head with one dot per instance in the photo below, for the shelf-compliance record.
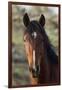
(34, 43)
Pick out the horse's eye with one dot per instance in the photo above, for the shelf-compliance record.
(24, 40)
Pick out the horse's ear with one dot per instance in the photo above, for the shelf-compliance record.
(26, 19)
(42, 20)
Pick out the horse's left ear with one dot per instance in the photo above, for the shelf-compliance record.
(42, 20)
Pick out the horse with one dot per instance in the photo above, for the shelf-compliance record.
(42, 60)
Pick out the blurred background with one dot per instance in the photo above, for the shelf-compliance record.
(20, 70)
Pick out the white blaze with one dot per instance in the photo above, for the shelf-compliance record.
(34, 59)
(34, 34)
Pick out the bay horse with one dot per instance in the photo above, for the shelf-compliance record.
(42, 60)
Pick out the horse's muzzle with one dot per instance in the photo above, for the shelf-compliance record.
(35, 72)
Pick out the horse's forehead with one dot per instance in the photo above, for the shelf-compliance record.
(34, 34)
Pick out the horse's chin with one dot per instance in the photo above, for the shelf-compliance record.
(34, 80)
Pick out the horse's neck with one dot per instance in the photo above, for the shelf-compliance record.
(44, 70)
(34, 81)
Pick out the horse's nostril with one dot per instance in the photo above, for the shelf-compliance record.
(30, 69)
(35, 72)
(37, 68)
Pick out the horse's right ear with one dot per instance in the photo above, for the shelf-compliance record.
(26, 20)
